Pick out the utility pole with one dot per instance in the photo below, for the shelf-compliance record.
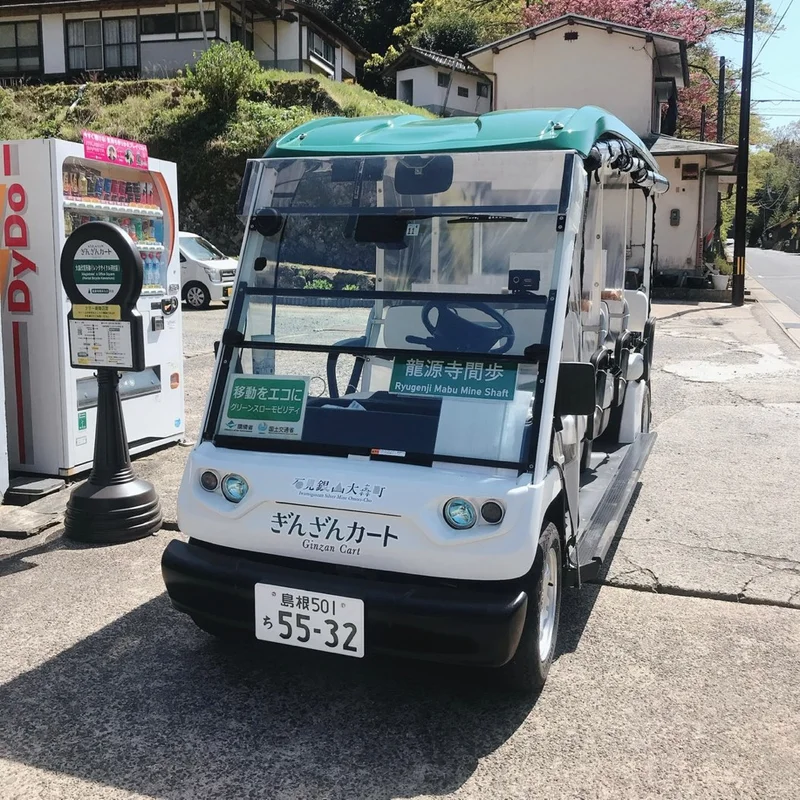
(739, 245)
(703, 124)
(721, 101)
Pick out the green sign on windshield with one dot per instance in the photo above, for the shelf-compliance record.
(477, 380)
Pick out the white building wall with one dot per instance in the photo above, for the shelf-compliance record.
(53, 44)
(677, 244)
(613, 71)
(224, 23)
(428, 94)
(348, 60)
(288, 40)
(264, 40)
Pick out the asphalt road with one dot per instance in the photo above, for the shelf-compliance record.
(107, 693)
(778, 272)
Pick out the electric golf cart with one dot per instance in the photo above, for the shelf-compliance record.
(421, 465)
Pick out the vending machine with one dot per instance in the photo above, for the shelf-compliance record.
(48, 188)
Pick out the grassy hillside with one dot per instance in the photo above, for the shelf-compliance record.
(209, 145)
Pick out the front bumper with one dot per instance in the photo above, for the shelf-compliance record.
(449, 623)
(220, 291)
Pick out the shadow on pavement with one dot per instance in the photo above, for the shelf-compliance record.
(577, 604)
(149, 704)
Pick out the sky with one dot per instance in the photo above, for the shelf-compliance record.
(777, 68)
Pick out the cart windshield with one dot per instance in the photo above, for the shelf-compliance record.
(396, 307)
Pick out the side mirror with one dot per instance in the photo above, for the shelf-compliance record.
(576, 391)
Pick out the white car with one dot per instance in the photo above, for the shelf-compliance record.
(206, 273)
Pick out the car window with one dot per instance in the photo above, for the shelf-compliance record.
(201, 250)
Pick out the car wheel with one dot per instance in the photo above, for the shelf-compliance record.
(528, 669)
(196, 295)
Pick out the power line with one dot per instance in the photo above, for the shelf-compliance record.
(776, 84)
(772, 33)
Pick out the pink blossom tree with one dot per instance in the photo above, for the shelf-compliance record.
(685, 19)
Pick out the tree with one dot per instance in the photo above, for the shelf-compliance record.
(685, 19)
(450, 33)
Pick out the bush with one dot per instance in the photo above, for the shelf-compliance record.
(319, 283)
(352, 281)
(450, 32)
(721, 263)
(224, 74)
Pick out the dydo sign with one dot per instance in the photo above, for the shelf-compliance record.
(16, 267)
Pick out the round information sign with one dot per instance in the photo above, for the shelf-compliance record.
(97, 271)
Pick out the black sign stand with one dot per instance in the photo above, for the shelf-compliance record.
(101, 271)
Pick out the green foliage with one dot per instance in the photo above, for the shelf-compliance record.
(224, 74)
(177, 123)
(319, 283)
(449, 32)
(722, 265)
(369, 22)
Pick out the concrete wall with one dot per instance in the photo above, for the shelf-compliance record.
(677, 245)
(613, 71)
(428, 94)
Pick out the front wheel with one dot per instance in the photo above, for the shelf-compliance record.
(527, 671)
(196, 295)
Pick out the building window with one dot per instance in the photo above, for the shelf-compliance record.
(119, 43)
(19, 48)
(690, 172)
(85, 44)
(190, 23)
(463, 91)
(320, 47)
(443, 79)
(95, 44)
(483, 89)
(236, 33)
(158, 24)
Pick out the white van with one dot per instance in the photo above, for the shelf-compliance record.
(206, 274)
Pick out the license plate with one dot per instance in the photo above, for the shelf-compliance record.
(316, 621)
(226, 291)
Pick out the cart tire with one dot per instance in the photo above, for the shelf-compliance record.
(527, 671)
(196, 296)
(647, 411)
(586, 454)
(219, 631)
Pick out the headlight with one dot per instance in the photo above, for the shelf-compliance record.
(234, 487)
(213, 274)
(459, 513)
(209, 480)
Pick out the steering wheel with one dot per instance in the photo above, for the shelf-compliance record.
(452, 332)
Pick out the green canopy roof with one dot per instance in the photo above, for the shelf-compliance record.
(524, 129)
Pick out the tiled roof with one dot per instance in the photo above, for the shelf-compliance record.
(434, 59)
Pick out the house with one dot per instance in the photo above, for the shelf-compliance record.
(61, 39)
(444, 85)
(634, 74)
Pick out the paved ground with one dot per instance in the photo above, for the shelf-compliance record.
(778, 272)
(108, 693)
